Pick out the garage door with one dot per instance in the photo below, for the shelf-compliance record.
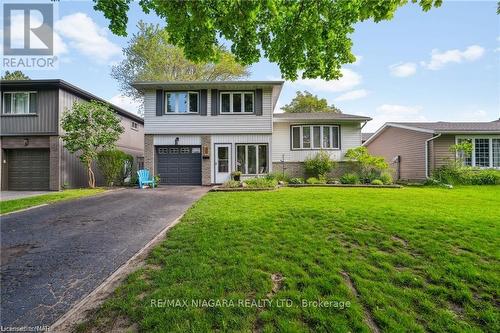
(28, 169)
(179, 165)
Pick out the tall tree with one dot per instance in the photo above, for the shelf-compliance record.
(307, 102)
(90, 127)
(150, 56)
(16, 75)
(308, 36)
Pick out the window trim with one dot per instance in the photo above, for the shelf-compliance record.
(166, 92)
(473, 156)
(256, 160)
(231, 93)
(301, 126)
(12, 100)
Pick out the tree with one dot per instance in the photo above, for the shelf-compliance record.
(90, 127)
(308, 36)
(371, 166)
(149, 56)
(307, 102)
(16, 75)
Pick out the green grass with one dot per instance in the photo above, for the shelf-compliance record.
(9, 206)
(420, 259)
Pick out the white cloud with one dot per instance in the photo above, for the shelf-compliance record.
(394, 113)
(352, 95)
(349, 80)
(440, 59)
(126, 103)
(87, 37)
(403, 69)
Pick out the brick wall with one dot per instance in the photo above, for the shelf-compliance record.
(149, 153)
(206, 162)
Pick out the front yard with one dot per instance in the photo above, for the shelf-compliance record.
(412, 259)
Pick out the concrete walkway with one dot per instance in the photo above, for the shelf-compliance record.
(10, 195)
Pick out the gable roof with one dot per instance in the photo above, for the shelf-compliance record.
(442, 127)
(61, 84)
(291, 116)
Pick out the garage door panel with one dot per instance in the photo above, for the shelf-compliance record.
(178, 165)
(28, 169)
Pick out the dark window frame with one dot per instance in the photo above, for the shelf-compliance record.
(12, 92)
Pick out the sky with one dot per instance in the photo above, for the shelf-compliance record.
(441, 65)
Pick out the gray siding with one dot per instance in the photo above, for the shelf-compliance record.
(44, 122)
(74, 173)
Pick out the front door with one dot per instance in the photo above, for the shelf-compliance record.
(222, 163)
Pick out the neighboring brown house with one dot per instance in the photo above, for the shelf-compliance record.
(31, 149)
(414, 150)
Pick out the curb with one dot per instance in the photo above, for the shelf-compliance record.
(97, 297)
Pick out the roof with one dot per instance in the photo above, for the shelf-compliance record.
(58, 83)
(140, 85)
(291, 116)
(442, 127)
(365, 136)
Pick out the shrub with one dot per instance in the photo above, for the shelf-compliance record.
(296, 181)
(386, 178)
(319, 165)
(377, 182)
(236, 175)
(232, 184)
(456, 174)
(371, 166)
(114, 165)
(313, 180)
(349, 178)
(260, 183)
(278, 176)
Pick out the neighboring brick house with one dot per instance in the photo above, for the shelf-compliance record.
(414, 150)
(31, 149)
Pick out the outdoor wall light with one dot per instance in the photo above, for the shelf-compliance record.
(206, 152)
(26, 141)
(177, 141)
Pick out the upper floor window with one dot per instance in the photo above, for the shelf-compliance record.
(236, 102)
(135, 126)
(19, 102)
(315, 137)
(181, 102)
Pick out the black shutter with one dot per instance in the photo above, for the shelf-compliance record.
(159, 102)
(203, 102)
(215, 102)
(258, 102)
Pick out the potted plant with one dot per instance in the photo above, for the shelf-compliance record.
(156, 179)
(236, 175)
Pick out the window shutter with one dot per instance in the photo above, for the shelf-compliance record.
(159, 102)
(203, 102)
(215, 102)
(33, 106)
(258, 102)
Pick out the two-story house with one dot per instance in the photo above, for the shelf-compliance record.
(200, 132)
(33, 156)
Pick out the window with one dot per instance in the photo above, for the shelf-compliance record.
(252, 159)
(315, 137)
(181, 102)
(482, 152)
(485, 152)
(135, 126)
(466, 158)
(19, 102)
(495, 147)
(236, 102)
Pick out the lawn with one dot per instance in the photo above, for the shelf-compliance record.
(391, 260)
(9, 206)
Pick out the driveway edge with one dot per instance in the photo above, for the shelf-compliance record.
(97, 297)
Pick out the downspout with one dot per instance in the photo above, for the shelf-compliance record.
(427, 154)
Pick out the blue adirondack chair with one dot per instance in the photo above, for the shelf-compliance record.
(145, 178)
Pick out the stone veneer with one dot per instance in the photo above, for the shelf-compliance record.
(206, 140)
(296, 169)
(149, 153)
(55, 147)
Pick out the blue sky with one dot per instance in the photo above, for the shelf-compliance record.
(439, 65)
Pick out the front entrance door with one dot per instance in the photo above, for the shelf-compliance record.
(222, 163)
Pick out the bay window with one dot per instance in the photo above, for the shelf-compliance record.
(236, 102)
(19, 102)
(181, 102)
(252, 159)
(315, 137)
(485, 152)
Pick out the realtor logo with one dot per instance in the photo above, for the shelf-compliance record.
(28, 29)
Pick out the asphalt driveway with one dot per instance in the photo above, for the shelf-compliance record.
(53, 256)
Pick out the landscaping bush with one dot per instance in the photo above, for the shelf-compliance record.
(371, 167)
(319, 165)
(232, 184)
(260, 183)
(456, 174)
(386, 178)
(377, 182)
(278, 176)
(114, 165)
(296, 181)
(313, 180)
(349, 178)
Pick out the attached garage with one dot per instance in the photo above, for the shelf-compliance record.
(179, 165)
(28, 169)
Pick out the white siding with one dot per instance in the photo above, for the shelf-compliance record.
(196, 124)
(187, 140)
(233, 140)
(350, 137)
